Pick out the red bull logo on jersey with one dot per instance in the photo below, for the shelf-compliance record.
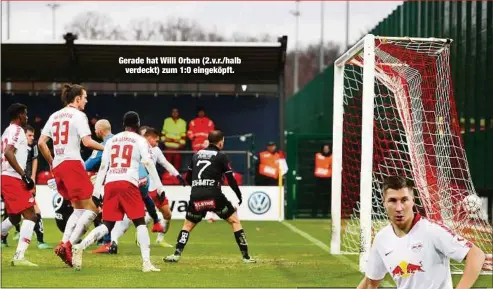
(405, 269)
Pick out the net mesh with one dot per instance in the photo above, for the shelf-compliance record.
(415, 134)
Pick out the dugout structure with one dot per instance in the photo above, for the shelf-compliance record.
(33, 67)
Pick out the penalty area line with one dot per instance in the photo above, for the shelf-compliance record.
(326, 248)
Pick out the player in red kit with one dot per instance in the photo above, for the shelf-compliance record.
(122, 156)
(16, 184)
(68, 127)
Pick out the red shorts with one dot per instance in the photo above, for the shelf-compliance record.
(15, 195)
(156, 201)
(72, 181)
(122, 197)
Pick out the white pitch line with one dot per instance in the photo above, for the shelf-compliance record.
(326, 248)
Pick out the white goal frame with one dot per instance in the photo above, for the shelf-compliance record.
(367, 45)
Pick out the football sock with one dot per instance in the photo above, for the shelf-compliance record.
(80, 228)
(93, 236)
(181, 242)
(241, 240)
(145, 243)
(38, 229)
(71, 222)
(24, 238)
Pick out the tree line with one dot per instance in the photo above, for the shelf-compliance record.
(99, 26)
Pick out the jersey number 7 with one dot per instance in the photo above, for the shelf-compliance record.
(123, 154)
(207, 163)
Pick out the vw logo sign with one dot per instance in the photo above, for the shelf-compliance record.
(259, 203)
(57, 201)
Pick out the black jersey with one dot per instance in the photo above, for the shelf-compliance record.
(207, 168)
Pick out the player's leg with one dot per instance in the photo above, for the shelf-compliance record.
(118, 230)
(112, 213)
(151, 209)
(166, 212)
(133, 205)
(226, 211)
(6, 225)
(192, 218)
(26, 232)
(39, 230)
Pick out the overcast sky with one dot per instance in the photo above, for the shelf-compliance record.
(33, 20)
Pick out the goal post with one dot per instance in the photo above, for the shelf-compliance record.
(395, 114)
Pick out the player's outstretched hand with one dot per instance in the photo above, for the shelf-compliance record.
(240, 199)
(28, 181)
(182, 180)
(488, 263)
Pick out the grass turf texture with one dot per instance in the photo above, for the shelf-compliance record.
(211, 259)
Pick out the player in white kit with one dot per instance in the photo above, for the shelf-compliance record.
(415, 251)
(67, 128)
(16, 184)
(119, 169)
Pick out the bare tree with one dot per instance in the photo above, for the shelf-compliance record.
(180, 29)
(308, 64)
(95, 25)
(143, 29)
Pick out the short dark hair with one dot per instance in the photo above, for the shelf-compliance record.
(28, 128)
(397, 183)
(131, 119)
(15, 110)
(69, 92)
(215, 136)
(150, 131)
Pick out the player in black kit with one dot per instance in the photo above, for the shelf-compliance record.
(205, 174)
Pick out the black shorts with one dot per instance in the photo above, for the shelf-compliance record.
(200, 204)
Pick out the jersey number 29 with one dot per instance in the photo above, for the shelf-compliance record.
(124, 155)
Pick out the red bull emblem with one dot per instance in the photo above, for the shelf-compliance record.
(405, 269)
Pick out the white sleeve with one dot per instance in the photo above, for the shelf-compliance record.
(449, 243)
(375, 268)
(15, 137)
(146, 159)
(105, 164)
(161, 159)
(82, 125)
(47, 128)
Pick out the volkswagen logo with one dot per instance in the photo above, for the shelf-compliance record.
(57, 201)
(259, 203)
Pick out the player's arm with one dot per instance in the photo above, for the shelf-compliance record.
(103, 169)
(188, 176)
(93, 161)
(228, 171)
(367, 283)
(458, 248)
(149, 165)
(375, 268)
(85, 134)
(35, 163)
(42, 142)
(474, 262)
(10, 156)
(161, 159)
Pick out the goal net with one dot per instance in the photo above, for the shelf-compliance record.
(395, 114)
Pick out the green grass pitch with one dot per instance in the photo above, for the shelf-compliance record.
(211, 259)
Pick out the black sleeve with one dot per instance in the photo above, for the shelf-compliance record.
(229, 175)
(188, 176)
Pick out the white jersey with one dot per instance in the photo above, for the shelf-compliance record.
(123, 154)
(66, 128)
(158, 157)
(420, 259)
(14, 135)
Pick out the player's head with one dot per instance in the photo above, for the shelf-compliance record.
(200, 111)
(131, 121)
(143, 129)
(216, 137)
(399, 200)
(152, 136)
(29, 134)
(17, 112)
(74, 95)
(175, 113)
(271, 146)
(102, 128)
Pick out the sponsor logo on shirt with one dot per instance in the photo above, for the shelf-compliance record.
(406, 269)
